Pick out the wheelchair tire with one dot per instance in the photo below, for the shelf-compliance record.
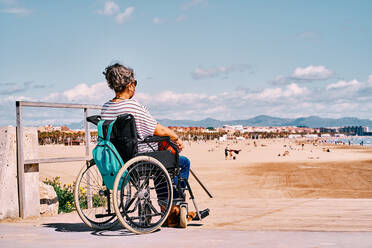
(147, 207)
(90, 182)
(183, 216)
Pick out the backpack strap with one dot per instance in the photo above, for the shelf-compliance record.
(100, 130)
(109, 130)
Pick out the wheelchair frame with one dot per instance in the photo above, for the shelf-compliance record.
(166, 165)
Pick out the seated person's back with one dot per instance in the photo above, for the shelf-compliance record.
(145, 123)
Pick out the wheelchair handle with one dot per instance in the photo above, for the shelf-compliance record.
(94, 119)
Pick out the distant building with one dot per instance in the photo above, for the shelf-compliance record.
(294, 136)
(311, 136)
(325, 135)
(50, 128)
(353, 130)
(329, 130)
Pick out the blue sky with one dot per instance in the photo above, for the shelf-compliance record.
(193, 58)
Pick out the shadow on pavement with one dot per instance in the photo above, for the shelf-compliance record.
(194, 224)
(113, 233)
(68, 227)
(81, 227)
(116, 233)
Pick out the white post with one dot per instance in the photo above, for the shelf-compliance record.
(20, 162)
(87, 140)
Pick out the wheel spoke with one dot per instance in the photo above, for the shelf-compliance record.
(98, 216)
(146, 207)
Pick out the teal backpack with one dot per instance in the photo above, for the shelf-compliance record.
(107, 157)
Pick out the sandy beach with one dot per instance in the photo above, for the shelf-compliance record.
(259, 190)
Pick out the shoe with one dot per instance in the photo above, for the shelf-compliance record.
(191, 216)
(204, 213)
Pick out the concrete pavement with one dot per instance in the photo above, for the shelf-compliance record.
(273, 223)
(58, 235)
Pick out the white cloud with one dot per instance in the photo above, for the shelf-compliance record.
(193, 3)
(344, 84)
(156, 20)
(214, 110)
(270, 94)
(202, 73)
(17, 88)
(343, 107)
(226, 105)
(109, 9)
(17, 11)
(275, 93)
(291, 100)
(15, 98)
(370, 79)
(312, 73)
(280, 80)
(97, 93)
(294, 90)
(124, 17)
(181, 18)
(170, 97)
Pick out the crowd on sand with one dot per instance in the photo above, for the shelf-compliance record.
(233, 147)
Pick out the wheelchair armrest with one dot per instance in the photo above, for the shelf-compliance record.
(156, 139)
(159, 139)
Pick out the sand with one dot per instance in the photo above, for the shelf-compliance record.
(310, 189)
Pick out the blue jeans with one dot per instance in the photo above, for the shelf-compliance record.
(184, 164)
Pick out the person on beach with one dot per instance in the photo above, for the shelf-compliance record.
(226, 152)
(230, 154)
(121, 79)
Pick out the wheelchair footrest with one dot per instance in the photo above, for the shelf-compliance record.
(204, 213)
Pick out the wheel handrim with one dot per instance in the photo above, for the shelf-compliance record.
(145, 209)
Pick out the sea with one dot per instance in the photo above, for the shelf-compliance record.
(354, 140)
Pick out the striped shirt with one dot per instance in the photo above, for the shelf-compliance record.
(145, 123)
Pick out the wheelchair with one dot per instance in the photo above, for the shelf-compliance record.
(145, 188)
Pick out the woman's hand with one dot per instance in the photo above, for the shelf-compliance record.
(179, 144)
(160, 130)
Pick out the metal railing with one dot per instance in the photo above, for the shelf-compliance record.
(20, 156)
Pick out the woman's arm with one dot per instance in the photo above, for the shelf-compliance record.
(161, 130)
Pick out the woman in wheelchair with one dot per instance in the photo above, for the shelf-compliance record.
(137, 177)
(121, 79)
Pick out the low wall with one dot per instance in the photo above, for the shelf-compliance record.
(8, 173)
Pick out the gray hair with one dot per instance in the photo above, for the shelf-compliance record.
(118, 77)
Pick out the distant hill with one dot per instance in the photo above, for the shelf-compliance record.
(261, 120)
(314, 121)
(264, 120)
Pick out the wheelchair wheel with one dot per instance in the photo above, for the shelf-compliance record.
(143, 195)
(93, 201)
